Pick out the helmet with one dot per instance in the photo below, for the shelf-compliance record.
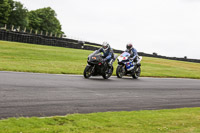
(105, 46)
(129, 46)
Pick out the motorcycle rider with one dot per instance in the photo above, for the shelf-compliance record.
(132, 51)
(108, 53)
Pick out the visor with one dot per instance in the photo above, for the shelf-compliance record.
(128, 47)
(104, 47)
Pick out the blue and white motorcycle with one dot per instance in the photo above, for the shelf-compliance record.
(126, 66)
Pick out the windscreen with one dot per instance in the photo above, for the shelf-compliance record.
(125, 54)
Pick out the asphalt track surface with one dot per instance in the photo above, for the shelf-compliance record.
(32, 94)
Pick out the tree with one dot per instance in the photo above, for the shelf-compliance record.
(4, 11)
(18, 15)
(44, 19)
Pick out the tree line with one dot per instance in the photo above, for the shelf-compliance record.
(44, 19)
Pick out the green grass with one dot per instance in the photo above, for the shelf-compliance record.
(47, 59)
(156, 67)
(44, 59)
(186, 120)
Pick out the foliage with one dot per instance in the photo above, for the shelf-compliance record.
(18, 15)
(44, 19)
(5, 10)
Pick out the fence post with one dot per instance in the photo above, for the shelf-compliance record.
(18, 29)
(25, 29)
(12, 28)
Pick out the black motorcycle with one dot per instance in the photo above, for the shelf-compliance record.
(97, 67)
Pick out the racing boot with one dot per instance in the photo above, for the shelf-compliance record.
(110, 66)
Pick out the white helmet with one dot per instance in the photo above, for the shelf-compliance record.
(105, 46)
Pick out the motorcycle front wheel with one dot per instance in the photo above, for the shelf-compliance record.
(87, 72)
(120, 71)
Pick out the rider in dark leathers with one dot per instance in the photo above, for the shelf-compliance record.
(108, 53)
(132, 51)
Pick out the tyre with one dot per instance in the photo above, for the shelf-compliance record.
(120, 71)
(136, 73)
(107, 73)
(87, 72)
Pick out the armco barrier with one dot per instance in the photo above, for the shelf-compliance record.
(38, 39)
(65, 42)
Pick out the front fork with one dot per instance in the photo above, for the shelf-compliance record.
(123, 68)
(93, 67)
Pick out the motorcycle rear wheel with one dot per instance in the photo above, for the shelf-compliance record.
(136, 73)
(87, 72)
(107, 74)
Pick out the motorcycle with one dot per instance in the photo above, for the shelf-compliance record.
(97, 67)
(126, 66)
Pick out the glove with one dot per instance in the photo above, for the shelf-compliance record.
(130, 58)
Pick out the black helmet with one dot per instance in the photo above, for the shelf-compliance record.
(129, 46)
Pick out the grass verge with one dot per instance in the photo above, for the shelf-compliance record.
(47, 59)
(186, 120)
